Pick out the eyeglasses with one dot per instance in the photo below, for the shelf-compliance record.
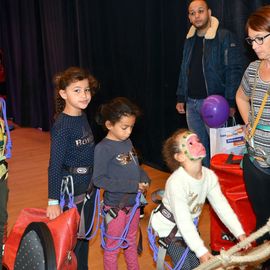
(258, 40)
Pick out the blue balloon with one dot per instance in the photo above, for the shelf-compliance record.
(215, 111)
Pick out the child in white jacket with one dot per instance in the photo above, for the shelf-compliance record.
(185, 193)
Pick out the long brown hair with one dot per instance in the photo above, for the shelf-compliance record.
(63, 79)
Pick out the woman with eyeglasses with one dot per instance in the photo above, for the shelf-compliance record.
(253, 102)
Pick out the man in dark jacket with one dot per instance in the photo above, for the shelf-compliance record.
(211, 64)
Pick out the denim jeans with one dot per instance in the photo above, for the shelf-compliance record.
(196, 124)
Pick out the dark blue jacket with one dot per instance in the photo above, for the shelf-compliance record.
(222, 63)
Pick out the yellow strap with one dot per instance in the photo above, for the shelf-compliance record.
(258, 116)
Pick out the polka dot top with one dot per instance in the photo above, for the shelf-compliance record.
(72, 145)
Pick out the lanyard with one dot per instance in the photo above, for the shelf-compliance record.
(255, 123)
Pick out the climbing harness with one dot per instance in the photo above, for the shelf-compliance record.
(160, 249)
(159, 245)
(96, 210)
(67, 189)
(122, 242)
(67, 199)
(78, 170)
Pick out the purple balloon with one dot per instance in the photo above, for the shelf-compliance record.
(215, 111)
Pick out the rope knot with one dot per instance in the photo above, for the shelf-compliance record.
(225, 258)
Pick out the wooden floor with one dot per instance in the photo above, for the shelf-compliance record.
(28, 188)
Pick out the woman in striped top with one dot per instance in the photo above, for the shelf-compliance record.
(253, 102)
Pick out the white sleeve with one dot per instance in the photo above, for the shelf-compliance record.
(178, 201)
(222, 208)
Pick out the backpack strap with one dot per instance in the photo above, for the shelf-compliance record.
(165, 212)
(164, 242)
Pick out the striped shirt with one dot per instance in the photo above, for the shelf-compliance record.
(250, 80)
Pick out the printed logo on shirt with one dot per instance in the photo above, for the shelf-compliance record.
(126, 158)
(193, 197)
(87, 138)
(84, 141)
(198, 207)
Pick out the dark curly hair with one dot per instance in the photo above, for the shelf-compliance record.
(190, 1)
(115, 109)
(63, 79)
(170, 148)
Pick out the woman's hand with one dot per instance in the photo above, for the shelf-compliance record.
(53, 211)
(247, 129)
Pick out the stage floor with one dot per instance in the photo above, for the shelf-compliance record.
(28, 188)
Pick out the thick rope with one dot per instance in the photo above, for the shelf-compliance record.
(229, 257)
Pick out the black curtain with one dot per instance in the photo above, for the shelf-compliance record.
(133, 47)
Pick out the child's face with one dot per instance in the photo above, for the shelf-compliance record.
(191, 146)
(122, 129)
(77, 97)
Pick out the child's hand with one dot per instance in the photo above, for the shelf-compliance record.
(242, 238)
(206, 257)
(143, 187)
(53, 211)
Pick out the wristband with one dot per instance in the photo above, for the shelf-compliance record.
(53, 202)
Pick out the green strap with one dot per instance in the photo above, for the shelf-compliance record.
(263, 127)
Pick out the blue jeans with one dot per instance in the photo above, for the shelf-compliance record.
(196, 124)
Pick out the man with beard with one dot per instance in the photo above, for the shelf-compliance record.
(211, 65)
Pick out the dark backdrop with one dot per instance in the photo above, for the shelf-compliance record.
(133, 47)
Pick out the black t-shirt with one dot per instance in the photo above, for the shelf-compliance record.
(196, 82)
